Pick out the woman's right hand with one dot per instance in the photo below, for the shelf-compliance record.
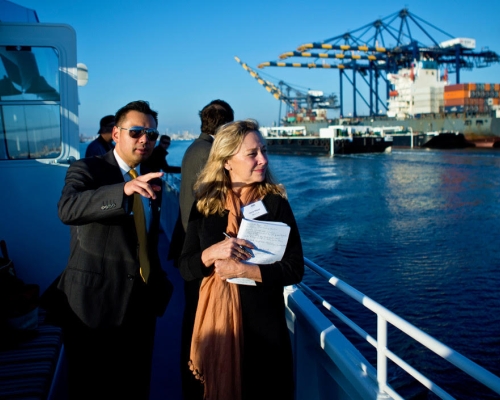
(227, 248)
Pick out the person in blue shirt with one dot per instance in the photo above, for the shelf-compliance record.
(104, 142)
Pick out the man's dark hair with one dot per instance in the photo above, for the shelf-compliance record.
(163, 137)
(215, 114)
(138, 105)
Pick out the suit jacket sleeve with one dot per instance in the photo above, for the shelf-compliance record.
(93, 191)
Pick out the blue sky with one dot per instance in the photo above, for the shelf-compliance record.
(179, 55)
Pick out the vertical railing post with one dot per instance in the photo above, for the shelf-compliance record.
(381, 346)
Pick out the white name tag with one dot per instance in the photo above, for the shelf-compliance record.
(254, 210)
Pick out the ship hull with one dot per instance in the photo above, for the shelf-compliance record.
(401, 140)
(313, 145)
(448, 140)
(482, 130)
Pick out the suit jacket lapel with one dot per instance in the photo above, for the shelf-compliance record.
(115, 173)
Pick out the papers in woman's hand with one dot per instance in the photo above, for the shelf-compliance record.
(269, 239)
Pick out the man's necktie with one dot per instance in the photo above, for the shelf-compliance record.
(140, 226)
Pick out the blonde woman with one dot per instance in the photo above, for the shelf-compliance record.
(240, 346)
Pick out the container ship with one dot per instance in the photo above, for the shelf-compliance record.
(422, 102)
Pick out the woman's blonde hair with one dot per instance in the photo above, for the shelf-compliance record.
(213, 183)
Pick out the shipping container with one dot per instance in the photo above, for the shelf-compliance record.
(455, 87)
(465, 101)
(466, 43)
(456, 94)
(453, 109)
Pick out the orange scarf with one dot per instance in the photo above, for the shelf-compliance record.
(217, 339)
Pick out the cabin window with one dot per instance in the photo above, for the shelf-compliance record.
(30, 124)
(479, 122)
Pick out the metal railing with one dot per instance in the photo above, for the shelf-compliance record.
(385, 316)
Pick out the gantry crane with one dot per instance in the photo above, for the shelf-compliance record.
(364, 51)
(293, 98)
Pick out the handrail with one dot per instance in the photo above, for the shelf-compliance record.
(173, 181)
(383, 316)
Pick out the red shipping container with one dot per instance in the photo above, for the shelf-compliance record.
(455, 87)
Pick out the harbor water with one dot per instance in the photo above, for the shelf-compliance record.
(417, 231)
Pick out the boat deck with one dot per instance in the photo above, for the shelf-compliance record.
(166, 378)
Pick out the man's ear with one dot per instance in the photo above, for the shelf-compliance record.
(115, 133)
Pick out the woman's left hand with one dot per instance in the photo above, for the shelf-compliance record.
(230, 268)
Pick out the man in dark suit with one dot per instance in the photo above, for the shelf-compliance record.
(158, 159)
(112, 297)
(213, 115)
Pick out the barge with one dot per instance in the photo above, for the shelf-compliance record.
(330, 141)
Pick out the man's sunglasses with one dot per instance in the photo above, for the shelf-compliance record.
(137, 132)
